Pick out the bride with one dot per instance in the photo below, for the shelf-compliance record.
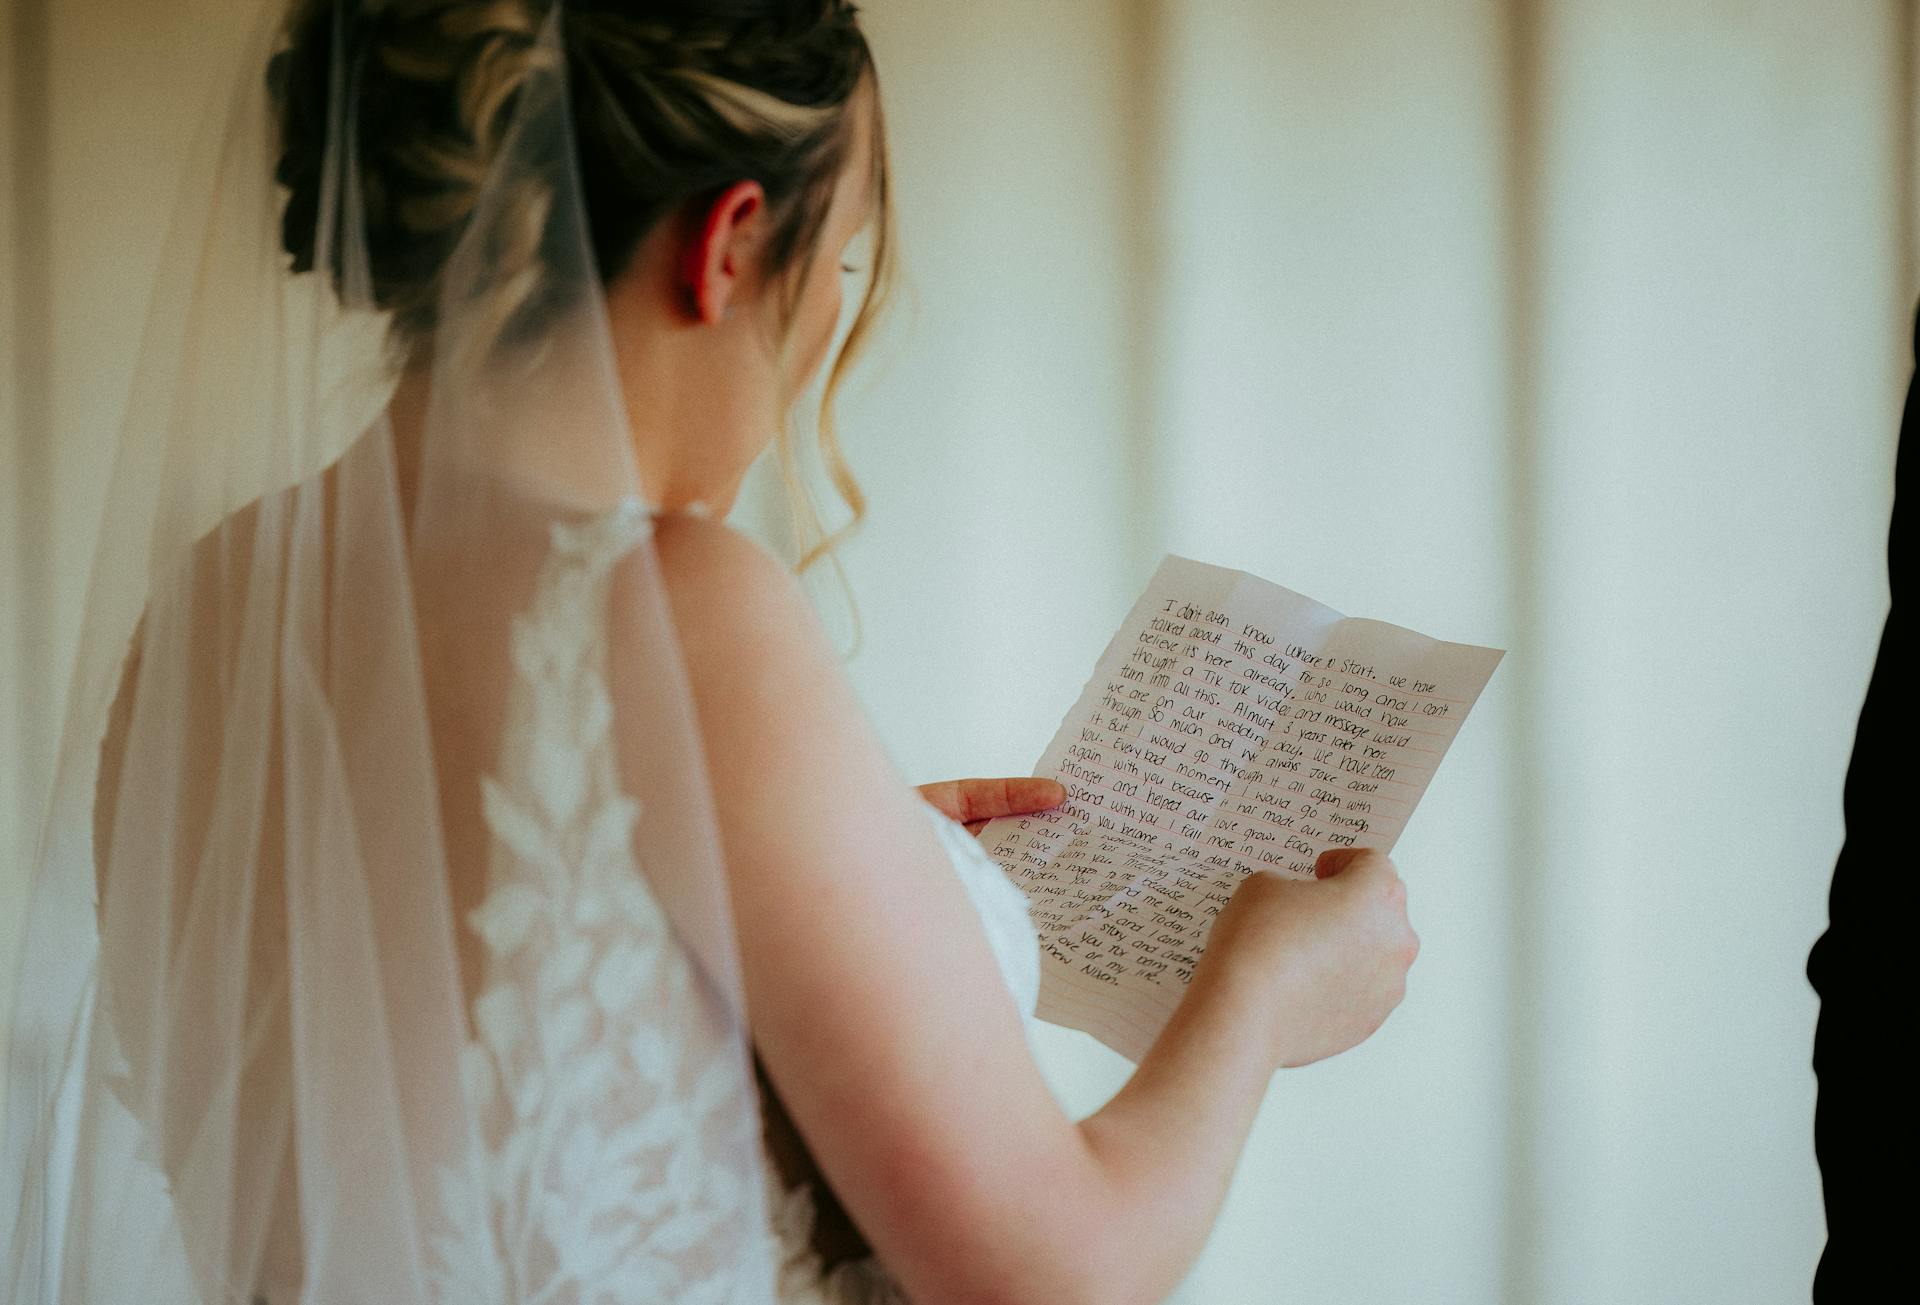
(470, 876)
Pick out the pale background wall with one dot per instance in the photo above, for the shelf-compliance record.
(1576, 328)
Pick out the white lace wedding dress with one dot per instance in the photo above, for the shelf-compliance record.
(605, 1158)
(558, 742)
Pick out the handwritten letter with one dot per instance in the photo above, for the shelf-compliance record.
(1230, 726)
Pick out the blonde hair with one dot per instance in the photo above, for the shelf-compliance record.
(670, 102)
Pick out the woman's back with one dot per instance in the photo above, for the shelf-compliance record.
(603, 1095)
(592, 1029)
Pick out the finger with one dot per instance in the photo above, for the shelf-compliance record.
(1335, 859)
(1017, 796)
(948, 797)
(943, 797)
(970, 800)
(975, 826)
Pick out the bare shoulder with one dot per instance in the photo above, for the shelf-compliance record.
(745, 626)
(716, 575)
(795, 766)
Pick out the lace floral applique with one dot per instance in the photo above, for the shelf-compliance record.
(609, 1098)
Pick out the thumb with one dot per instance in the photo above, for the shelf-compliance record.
(1335, 859)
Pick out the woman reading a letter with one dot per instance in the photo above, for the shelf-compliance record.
(471, 876)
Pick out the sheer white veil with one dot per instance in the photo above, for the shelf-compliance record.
(387, 955)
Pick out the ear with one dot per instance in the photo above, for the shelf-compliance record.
(724, 242)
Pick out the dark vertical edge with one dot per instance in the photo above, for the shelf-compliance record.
(1523, 206)
(1145, 121)
(29, 39)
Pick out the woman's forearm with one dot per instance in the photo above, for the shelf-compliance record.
(1337, 949)
(1167, 1143)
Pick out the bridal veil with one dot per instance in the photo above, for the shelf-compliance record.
(379, 947)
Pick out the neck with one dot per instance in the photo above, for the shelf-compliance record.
(654, 415)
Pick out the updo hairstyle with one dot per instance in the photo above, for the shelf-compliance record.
(672, 101)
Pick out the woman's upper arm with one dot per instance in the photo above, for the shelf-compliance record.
(873, 996)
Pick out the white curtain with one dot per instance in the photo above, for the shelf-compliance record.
(1576, 328)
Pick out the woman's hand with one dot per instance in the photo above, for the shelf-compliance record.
(1328, 956)
(973, 802)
